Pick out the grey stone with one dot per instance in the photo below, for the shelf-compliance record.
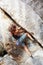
(29, 14)
(7, 60)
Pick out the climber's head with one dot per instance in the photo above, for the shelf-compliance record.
(12, 29)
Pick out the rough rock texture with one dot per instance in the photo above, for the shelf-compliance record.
(7, 60)
(28, 13)
(37, 6)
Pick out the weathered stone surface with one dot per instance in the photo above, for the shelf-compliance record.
(24, 12)
(2, 50)
(37, 6)
(7, 60)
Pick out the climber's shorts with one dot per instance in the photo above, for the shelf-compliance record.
(20, 41)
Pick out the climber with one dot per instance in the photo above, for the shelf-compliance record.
(20, 36)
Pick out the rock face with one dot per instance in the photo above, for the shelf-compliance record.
(37, 6)
(28, 13)
(2, 50)
(6, 60)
